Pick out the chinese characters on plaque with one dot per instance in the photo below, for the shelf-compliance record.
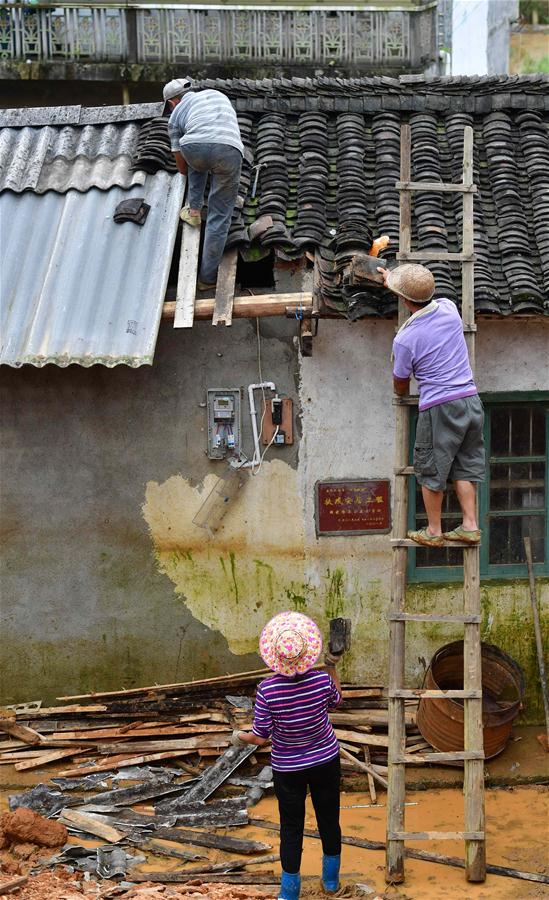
(353, 507)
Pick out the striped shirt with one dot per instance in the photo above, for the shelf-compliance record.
(294, 711)
(206, 117)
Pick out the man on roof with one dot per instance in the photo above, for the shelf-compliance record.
(449, 434)
(205, 139)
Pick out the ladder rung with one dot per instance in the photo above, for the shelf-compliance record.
(435, 836)
(437, 257)
(425, 694)
(424, 617)
(439, 186)
(457, 756)
(406, 542)
(405, 470)
(408, 400)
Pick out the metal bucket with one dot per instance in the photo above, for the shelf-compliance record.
(440, 721)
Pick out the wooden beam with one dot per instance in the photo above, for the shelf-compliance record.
(186, 277)
(224, 290)
(244, 307)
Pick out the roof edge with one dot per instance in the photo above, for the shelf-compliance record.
(38, 116)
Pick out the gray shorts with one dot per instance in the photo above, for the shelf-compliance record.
(449, 443)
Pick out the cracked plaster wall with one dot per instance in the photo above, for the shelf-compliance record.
(106, 581)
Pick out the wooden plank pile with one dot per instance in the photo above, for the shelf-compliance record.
(189, 724)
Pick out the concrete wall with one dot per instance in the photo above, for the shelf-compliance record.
(480, 36)
(106, 581)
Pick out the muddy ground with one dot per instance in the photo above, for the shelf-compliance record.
(517, 829)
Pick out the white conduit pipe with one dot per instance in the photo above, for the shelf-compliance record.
(253, 415)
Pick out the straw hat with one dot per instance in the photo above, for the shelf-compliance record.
(290, 644)
(414, 282)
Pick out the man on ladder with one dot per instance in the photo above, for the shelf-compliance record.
(449, 435)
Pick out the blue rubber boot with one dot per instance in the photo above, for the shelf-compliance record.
(330, 873)
(290, 886)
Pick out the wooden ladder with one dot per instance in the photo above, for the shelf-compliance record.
(473, 754)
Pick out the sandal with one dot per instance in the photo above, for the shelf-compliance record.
(460, 534)
(427, 540)
(186, 216)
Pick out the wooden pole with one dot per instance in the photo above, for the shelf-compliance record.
(396, 792)
(473, 781)
(537, 629)
(468, 264)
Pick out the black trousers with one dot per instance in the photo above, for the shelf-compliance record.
(291, 790)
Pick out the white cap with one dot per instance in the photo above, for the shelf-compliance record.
(176, 87)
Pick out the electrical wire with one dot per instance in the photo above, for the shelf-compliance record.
(256, 471)
(253, 470)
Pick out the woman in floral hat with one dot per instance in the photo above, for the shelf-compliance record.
(291, 709)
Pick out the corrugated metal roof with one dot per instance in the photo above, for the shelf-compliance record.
(68, 157)
(78, 288)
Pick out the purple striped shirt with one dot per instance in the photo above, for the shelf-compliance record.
(294, 712)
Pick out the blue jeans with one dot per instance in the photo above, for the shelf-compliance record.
(223, 163)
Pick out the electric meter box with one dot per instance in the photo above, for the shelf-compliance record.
(224, 408)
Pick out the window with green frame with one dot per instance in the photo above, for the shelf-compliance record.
(513, 499)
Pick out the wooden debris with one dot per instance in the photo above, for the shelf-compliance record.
(13, 884)
(27, 735)
(214, 841)
(53, 756)
(114, 763)
(188, 721)
(224, 290)
(224, 680)
(233, 878)
(159, 849)
(91, 825)
(225, 867)
(366, 767)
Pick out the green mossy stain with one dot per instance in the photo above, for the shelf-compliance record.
(335, 602)
(299, 595)
(232, 561)
(231, 579)
(264, 572)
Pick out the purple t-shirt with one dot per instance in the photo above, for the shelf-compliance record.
(294, 711)
(433, 350)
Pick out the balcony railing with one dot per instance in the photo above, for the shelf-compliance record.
(361, 37)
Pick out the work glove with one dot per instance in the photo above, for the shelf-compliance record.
(237, 741)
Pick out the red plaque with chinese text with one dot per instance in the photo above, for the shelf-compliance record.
(353, 507)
